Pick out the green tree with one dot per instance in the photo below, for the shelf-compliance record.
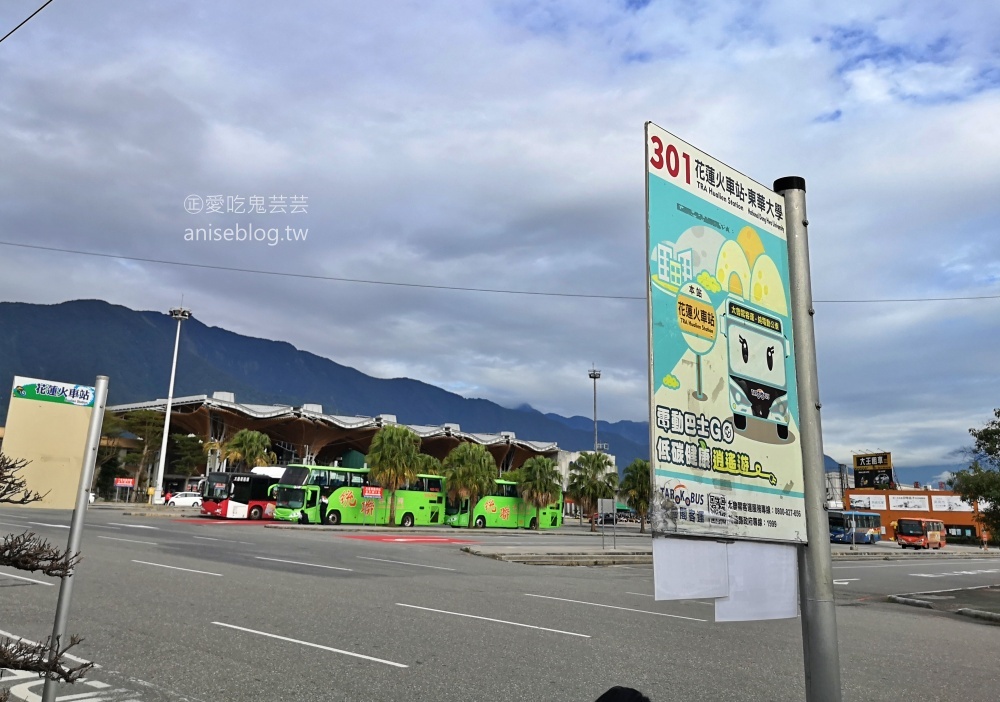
(981, 485)
(539, 484)
(592, 477)
(469, 473)
(147, 425)
(249, 449)
(637, 489)
(428, 464)
(104, 484)
(187, 455)
(980, 482)
(392, 459)
(112, 431)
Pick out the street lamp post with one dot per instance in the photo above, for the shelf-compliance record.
(180, 314)
(594, 375)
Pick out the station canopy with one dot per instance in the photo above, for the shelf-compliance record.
(305, 434)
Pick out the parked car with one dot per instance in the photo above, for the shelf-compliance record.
(185, 499)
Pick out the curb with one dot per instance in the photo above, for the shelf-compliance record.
(910, 601)
(979, 614)
(568, 559)
(875, 556)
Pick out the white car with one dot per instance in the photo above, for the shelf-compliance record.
(185, 499)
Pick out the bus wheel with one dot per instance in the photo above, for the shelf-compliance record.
(782, 432)
(480, 522)
(256, 513)
(407, 520)
(533, 524)
(332, 517)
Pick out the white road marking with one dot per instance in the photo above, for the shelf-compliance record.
(627, 609)
(844, 581)
(314, 565)
(922, 564)
(640, 594)
(18, 525)
(70, 656)
(21, 577)
(133, 526)
(96, 684)
(957, 572)
(101, 526)
(161, 565)
(418, 565)
(312, 645)
(498, 621)
(54, 526)
(231, 541)
(131, 541)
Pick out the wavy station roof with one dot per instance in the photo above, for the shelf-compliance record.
(323, 438)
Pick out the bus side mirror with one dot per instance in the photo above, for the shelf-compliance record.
(270, 490)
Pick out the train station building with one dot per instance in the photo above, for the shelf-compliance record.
(305, 434)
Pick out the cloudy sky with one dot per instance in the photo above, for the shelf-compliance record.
(499, 145)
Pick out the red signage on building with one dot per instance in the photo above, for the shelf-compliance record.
(374, 493)
(124, 482)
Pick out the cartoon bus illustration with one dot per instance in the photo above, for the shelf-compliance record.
(758, 385)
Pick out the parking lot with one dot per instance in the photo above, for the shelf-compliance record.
(197, 609)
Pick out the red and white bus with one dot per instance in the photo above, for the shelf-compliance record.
(240, 495)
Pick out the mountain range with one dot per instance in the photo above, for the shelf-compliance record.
(76, 341)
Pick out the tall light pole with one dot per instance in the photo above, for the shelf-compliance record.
(180, 314)
(594, 375)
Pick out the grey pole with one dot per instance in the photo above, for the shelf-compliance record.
(821, 655)
(180, 314)
(76, 526)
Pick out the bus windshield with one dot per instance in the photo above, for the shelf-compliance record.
(910, 527)
(290, 498)
(216, 487)
(295, 475)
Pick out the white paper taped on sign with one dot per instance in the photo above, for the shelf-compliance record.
(763, 583)
(685, 569)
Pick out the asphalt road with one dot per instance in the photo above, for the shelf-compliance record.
(207, 610)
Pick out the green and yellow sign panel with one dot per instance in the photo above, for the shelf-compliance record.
(723, 402)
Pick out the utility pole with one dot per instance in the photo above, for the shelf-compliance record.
(821, 655)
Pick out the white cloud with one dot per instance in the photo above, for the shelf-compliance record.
(499, 145)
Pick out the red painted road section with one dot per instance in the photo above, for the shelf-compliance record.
(409, 539)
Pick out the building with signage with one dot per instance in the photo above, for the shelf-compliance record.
(943, 505)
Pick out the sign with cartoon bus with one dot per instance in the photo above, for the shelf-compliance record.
(723, 400)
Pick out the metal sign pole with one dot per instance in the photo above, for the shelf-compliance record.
(821, 655)
(76, 526)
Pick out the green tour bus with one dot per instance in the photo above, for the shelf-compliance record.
(503, 507)
(339, 495)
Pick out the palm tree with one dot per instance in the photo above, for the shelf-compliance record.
(469, 473)
(592, 477)
(539, 484)
(428, 464)
(392, 460)
(249, 448)
(637, 489)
